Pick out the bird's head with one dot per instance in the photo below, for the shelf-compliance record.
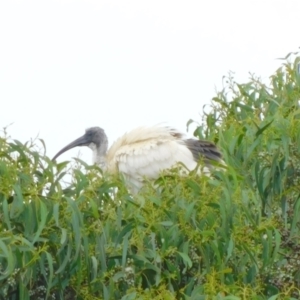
(94, 138)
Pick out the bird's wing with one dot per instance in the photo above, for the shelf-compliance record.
(145, 152)
(150, 158)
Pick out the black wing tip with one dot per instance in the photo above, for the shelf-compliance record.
(204, 150)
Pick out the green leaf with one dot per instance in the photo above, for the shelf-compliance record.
(9, 258)
(262, 129)
(42, 221)
(186, 260)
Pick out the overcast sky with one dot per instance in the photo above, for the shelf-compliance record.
(69, 65)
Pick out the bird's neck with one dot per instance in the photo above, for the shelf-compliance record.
(99, 160)
(99, 153)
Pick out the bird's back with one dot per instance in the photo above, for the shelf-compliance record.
(146, 151)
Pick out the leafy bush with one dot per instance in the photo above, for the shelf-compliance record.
(232, 236)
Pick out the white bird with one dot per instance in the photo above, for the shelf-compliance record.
(145, 152)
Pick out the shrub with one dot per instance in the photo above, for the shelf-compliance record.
(234, 235)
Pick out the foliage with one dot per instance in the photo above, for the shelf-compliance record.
(234, 235)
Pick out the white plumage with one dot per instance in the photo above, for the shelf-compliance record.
(145, 152)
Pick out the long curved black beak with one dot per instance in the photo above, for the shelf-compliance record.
(82, 141)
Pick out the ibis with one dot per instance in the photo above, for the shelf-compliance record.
(146, 151)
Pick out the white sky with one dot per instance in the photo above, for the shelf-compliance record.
(69, 65)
